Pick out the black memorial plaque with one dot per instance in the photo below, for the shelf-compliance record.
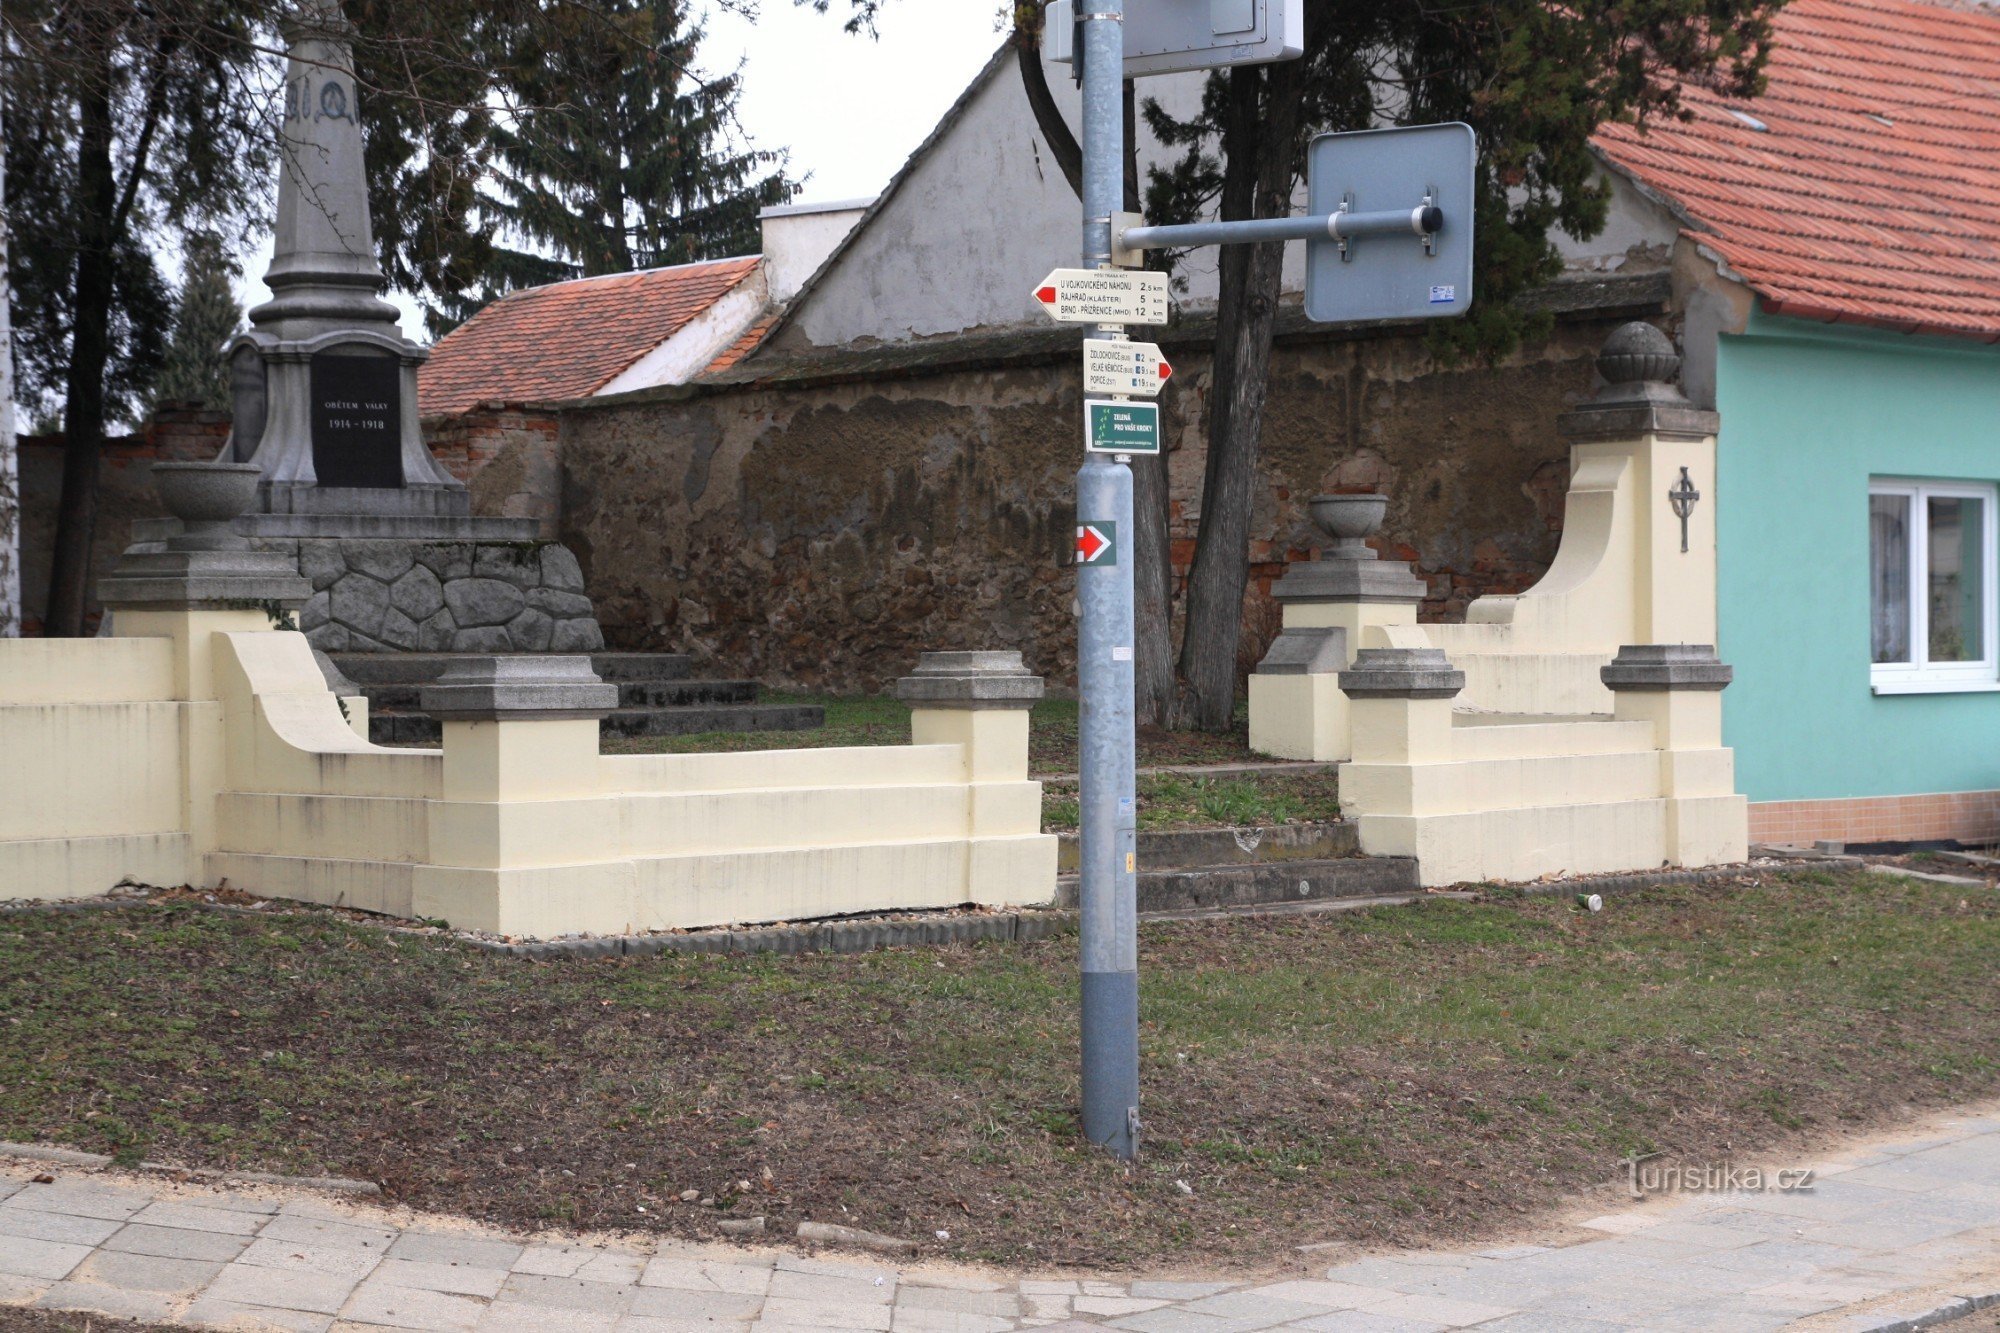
(357, 420)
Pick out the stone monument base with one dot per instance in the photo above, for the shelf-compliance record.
(412, 500)
(384, 583)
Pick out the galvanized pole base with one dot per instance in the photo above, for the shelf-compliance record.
(1105, 671)
(1110, 924)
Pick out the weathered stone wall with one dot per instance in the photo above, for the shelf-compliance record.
(819, 527)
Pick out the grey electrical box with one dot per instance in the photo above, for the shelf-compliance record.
(1169, 36)
(1393, 276)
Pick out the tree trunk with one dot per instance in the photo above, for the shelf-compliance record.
(1152, 541)
(10, 474)
(1063, 146)
(1258, 143)
(90, 350)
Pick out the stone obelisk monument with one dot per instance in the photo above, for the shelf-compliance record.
(324, 390)
(325, 384)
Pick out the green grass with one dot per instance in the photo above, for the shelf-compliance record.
(1413, 1074)
(1165, 801)
(1180, 800)
(883, 721)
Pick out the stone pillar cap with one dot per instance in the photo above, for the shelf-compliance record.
(990, 679)
(1402, 673)
(1337, 578)
(1667, 666)
(203, 580)
(518, 689)
(1640, 394)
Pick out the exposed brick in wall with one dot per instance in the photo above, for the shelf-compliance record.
(509, 456)
(822, 535)
(1971, 817)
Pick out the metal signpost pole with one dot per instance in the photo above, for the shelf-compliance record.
(1105, 670)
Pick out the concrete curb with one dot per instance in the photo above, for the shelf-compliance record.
(36, 1152)
(1948, 1313)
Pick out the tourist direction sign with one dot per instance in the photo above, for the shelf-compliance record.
(1097, 542)
(1121, 428)
(1124, 367)
(1104, 296)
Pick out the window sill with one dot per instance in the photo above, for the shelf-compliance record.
(1937, 686)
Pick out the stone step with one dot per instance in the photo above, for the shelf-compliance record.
(1182, 849)
(418, 668)
(396, 727)
(1264, 883)
(631, 694)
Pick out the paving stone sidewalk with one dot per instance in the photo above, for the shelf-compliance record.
(1904, 1221)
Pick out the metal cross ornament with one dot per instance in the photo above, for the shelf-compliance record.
(1683, 498)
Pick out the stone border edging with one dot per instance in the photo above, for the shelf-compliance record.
(860, 935)
(1949, 1313)
(853, 936)
(36, 1152)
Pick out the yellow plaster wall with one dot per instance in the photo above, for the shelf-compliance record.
(524, 828)
(1485, 797)
(207, 747)
(93, 781)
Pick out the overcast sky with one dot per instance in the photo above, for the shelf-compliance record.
(849, 109)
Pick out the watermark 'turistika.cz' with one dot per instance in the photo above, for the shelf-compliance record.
(1642, 1179)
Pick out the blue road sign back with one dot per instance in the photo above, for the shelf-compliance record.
(1171, 36)
(1392, 277)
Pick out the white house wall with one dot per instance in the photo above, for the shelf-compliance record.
(699, 341)
(984, 213)
(975, 225)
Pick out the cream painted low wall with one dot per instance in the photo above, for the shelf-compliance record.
(1500, 680)
(1478, 797)
(1619, 577)
(523, 828)
(92, 787)
(208, 748)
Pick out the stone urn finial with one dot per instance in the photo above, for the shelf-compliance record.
(206, 565)
(1350, 520)
(206, 498)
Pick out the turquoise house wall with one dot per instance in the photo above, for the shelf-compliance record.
(1809, 413)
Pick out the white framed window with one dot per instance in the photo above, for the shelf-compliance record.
(1933, 613)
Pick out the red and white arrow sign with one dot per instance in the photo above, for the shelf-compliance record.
(1124, 368)
(1094, 544)
(1104, 296)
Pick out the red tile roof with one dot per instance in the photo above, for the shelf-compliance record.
(1873, 195)
(568, 339)
(743, 346)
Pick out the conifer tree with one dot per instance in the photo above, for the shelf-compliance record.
(205, 317)
(621, 155)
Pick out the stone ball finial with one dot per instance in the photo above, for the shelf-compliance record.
(1638, 353)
